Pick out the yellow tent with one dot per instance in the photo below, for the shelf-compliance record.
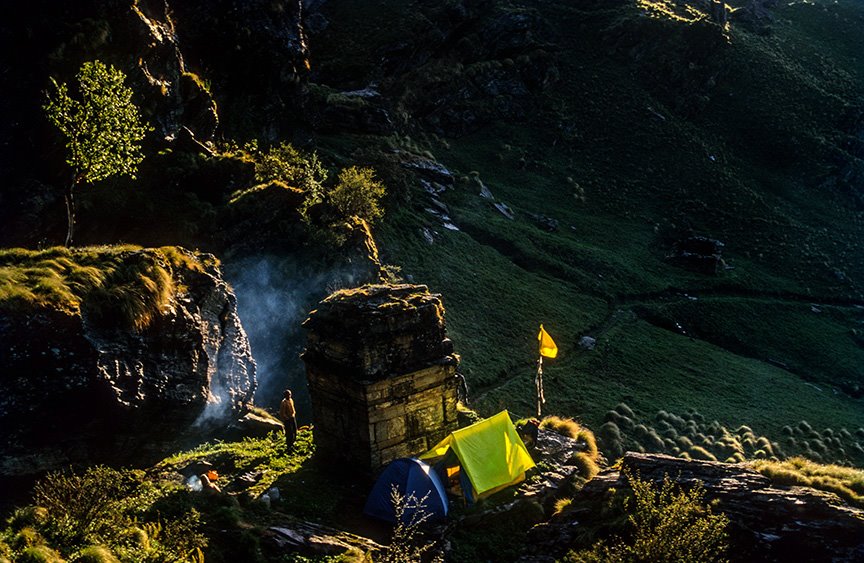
(490, 453)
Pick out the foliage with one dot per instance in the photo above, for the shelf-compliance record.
(407, 544)
(82, 506)
(287, 164)
(846, 482)
(102, 514)
(102, 126)
(358, 193)
(666, 524)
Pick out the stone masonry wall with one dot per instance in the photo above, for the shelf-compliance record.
(381, 373)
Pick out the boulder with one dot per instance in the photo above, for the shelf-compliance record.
(85, 385)
(311, 539)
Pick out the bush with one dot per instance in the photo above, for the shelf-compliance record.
(358, 194)
(286, 164)
(665, 524)
(83, 505)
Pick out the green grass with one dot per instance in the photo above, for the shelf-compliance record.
(748, 168)
(846, 482)
(122, 285)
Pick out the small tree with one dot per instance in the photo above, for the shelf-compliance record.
(286, 164)
(102, 126)
(358, 193)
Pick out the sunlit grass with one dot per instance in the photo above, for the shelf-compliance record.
(678, 11)
(120, 285)
(846, 482)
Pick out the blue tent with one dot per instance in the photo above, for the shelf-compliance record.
(409, 475)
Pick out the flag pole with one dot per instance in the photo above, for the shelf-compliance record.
(539, 383)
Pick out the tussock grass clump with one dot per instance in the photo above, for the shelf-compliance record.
(624, 410)
(96, 554)
(564, 426)
(561, 506)
(586, 464)
(611, 439)
(698, 452)
(572, 429)
(846, 482)
(125, 286)
(39, 554)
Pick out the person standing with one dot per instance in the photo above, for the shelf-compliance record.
(288, 416)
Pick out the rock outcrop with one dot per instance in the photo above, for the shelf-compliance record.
(85, 386)
(473, 64)
(767, 522)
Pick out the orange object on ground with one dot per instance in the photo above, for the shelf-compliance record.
(212, 475)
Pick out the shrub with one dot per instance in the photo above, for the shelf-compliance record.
(653, 442)
(586, 437)
(358, 194)
(287, 164)
(82, 505)
(407, 543)
(27, 537)
(665, 523)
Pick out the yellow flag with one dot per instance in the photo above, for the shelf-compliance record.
(548, 348)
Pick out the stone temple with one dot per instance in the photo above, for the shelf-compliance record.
(381, 374)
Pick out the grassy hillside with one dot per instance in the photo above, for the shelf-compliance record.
(658, 127)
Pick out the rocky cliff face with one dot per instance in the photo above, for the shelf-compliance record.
(77, 387)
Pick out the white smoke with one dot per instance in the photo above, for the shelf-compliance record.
(274, 296)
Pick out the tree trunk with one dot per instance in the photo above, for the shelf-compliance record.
(70, 213)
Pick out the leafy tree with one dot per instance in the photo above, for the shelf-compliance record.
(287, 164)
(102, 127)
(358, 193)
